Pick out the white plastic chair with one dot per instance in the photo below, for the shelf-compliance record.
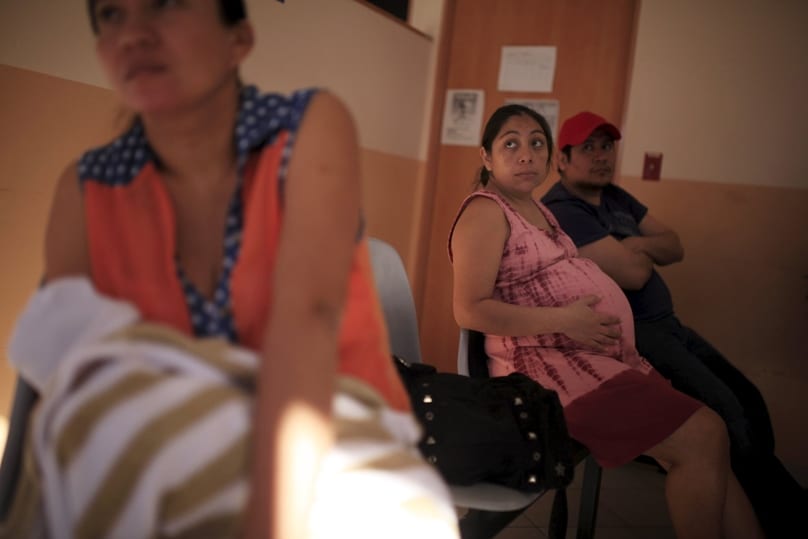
(491, 507)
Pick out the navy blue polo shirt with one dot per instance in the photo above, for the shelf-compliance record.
(618, 215)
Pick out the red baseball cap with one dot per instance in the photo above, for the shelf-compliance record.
(578, 128)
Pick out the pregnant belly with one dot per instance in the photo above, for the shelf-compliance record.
(583, 277)
(564, 282)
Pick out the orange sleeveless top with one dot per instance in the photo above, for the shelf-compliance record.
(131, 236)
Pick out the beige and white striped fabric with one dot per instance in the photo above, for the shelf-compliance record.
(146, 434)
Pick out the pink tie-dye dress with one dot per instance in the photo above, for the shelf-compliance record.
(614, 402)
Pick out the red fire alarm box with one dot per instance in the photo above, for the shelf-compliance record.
(652, 166)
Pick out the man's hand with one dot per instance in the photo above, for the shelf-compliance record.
(635, 244)
(629, 269)
(660, 242)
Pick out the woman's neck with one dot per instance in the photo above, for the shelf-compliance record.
(525, 205)
(196, 143)
(514, 198)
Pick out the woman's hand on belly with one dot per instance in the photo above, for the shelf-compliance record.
(584, 325)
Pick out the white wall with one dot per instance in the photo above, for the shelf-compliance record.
(719, 86)
(426, 16)
(378, 66)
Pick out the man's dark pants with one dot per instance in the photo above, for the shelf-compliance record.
(696, 368)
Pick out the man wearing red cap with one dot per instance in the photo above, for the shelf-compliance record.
(615, 230)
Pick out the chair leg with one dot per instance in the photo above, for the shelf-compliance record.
(589, 499)
(479, 524)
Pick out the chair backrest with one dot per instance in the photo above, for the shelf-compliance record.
(471, 358)
(395, 295)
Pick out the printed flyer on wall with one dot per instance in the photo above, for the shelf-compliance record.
(462, 117)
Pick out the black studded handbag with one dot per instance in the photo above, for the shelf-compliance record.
(507, 430)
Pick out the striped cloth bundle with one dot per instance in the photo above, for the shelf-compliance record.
(146, 433)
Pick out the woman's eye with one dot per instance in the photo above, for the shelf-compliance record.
(608, 146)
(510, 144)
(108, 14)
(538, 143)
(587, 147)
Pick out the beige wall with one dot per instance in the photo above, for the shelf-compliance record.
(49, 37)
(426, 16)
(378, 66)
(719, 87)
(743, 285)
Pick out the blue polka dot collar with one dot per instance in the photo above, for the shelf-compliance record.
(261, 118)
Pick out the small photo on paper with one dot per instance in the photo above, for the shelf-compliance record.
(463, 105)
(462, 118)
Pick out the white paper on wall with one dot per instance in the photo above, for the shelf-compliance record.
(527, 69)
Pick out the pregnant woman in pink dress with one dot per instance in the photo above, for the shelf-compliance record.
(560, 320)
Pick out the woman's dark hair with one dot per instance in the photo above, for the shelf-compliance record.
(232, 12)
(494, 126)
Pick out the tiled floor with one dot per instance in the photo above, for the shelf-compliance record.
(631, 506)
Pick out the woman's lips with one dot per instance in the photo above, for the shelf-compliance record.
(143, 69)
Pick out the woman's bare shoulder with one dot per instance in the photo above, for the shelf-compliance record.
(482, 210)
(481, 226)
(329, 113)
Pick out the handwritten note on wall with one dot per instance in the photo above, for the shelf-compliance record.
(527, 69)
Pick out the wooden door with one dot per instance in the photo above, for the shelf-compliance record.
(594, 43)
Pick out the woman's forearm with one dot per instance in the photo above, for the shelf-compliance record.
(292, 421)
(498, 318)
